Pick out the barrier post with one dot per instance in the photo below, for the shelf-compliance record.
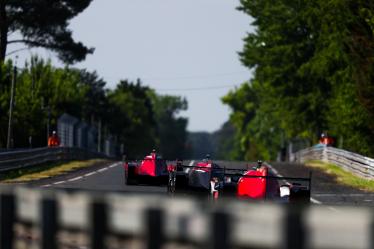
(220, 231)
(294, 230)
(7, 217)
(48, 223)
(99, 225)
(155, 228)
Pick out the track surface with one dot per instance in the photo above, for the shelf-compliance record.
(110, 177)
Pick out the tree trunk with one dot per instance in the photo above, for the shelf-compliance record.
(3, 31)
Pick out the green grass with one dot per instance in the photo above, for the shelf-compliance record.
(47, 170)
(343, 176)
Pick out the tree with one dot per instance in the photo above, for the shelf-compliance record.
(95, 103)
(131, 118)
(171, 129)
(43, 24)
(40, 87)
(313, 72)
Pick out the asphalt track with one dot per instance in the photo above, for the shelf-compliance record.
(110, 177)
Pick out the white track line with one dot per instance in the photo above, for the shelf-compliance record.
(90, 174)
(83, 176)
(56, 183)
(75, 179)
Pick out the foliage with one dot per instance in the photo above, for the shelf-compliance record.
(44, 24)
(132, 114)
(313, 73)
(171, 129)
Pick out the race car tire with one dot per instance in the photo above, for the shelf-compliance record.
(299, 195)
(130, 177)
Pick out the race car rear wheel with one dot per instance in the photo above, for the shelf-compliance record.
(130, 177)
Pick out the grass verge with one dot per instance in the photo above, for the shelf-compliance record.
(342, 176)
(48, 170)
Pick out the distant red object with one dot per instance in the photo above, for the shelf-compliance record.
(325, 140)
(53, 141)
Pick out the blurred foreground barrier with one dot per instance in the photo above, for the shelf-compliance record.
(355, 163)
(26, 158)
(47, 219)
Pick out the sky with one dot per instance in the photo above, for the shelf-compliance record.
(178, 47)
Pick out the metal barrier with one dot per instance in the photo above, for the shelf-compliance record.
(47, 218)
(355, 163)
(26, 158)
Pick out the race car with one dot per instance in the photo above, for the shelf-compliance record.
(152, 169)
(201, 174)
(256, 184)
(260, 183)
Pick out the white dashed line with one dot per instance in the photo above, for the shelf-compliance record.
(114, 165)
(90, 174)
(75, 179)
(56, 183)
(86, 175)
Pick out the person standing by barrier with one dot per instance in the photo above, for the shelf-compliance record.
(53, 140)
(326, 140)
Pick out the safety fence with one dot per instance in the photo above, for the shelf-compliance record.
(355, 163)
(30, 157)
(48, 219)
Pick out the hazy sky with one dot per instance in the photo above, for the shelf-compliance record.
(174, 46)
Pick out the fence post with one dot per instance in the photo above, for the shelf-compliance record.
(155, 228)
(99, 224)
(48, 223)
(294, 230)
(7, 217)
(220, 232)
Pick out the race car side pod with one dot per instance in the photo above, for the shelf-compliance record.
(299, 193)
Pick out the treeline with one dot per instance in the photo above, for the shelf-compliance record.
(313, 72)
(134, 114)
(217, 144)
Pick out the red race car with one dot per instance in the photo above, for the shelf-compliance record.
(151, 169)
(257, 184)
(260, 183)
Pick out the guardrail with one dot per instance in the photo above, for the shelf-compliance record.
(26, 158)
(32, 218)
(355, 163)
